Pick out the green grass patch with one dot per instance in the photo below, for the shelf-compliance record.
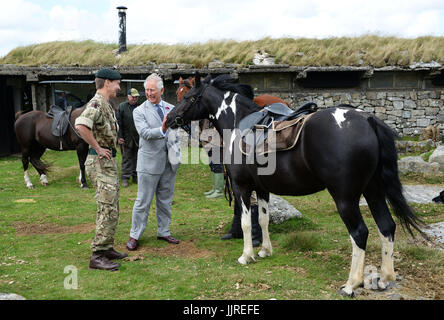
(47, 229)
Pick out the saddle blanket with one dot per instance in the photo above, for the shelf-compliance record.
(283, 135)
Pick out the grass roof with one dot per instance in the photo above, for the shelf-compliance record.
(367, 50)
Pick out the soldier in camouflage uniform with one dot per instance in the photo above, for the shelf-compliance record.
(98, 127)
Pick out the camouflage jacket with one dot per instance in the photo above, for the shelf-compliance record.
(100, 118)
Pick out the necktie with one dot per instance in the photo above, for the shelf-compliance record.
(159, 111)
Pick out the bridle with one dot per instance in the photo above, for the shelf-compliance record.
(194, 102)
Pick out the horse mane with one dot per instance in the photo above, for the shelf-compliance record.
(225, 82)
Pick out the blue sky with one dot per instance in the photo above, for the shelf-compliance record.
(25, 22)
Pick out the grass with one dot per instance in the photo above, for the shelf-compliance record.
(367, 50)
(45, 230)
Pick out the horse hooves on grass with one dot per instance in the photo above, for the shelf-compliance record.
(345, 293)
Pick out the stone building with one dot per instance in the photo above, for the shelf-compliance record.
(406, 98)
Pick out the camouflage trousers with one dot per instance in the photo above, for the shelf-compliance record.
(103, 173)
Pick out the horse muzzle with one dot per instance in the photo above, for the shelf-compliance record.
(178, 121)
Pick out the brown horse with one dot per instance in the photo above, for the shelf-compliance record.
(261, 101)
(33, 132)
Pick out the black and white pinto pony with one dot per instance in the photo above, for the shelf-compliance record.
(348, 152)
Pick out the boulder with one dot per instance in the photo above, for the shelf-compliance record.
(418, 165)
(438, 156)
(10, 296)
(281, 210)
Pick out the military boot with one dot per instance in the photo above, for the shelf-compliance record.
(219, 184)
(236, 227)
(99, 261)
(112, 254)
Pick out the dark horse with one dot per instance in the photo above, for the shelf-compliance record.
(261, 101)
(33, 132)
(347, 152)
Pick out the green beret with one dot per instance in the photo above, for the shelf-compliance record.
(107, 73)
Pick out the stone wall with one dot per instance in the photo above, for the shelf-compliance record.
(408, 112)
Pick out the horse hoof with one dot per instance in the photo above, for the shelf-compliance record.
(245, 260)
(346, 292)
(264, 254)
(85, 187)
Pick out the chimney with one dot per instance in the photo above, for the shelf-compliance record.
(122, 29)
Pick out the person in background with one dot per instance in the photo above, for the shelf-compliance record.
(211, 143)
(128, 137)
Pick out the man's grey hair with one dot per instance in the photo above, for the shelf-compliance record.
(155, 77)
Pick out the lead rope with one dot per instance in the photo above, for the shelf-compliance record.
(227, 190)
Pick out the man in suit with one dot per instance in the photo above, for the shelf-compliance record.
(157, 163)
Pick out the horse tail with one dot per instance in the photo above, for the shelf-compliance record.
(388, 170)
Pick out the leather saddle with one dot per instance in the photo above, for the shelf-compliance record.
(60, 119)
(265, 118)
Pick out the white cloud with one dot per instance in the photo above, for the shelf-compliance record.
(24, 22)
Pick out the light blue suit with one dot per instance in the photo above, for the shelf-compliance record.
(157, 163)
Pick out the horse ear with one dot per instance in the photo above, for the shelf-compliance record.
(197, 80)
(207, 79)
(192, 81)
(180, 81)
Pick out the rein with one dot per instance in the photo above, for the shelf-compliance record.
(194, 102)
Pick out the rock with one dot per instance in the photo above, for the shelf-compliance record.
(10, 296)
(420, 193)
(418, 165)
(262, 58)
(438, 156)
(416, 194)
(281, 210)
(437, 231)
(371, 277)
(216, 64)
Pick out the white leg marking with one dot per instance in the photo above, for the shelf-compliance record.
(356, 276)
(248, 254)
(44, 179)
(28, 181)
(387, 269)
(264, 219)
(80, 178)
(339, 116)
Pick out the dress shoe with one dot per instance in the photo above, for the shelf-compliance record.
(132, 244)
(169, 239)
(99, 261)
(113, 254)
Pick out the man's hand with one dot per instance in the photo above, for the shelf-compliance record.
(164, 126)
(121, 141)
(87, 135)
(104, 153)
